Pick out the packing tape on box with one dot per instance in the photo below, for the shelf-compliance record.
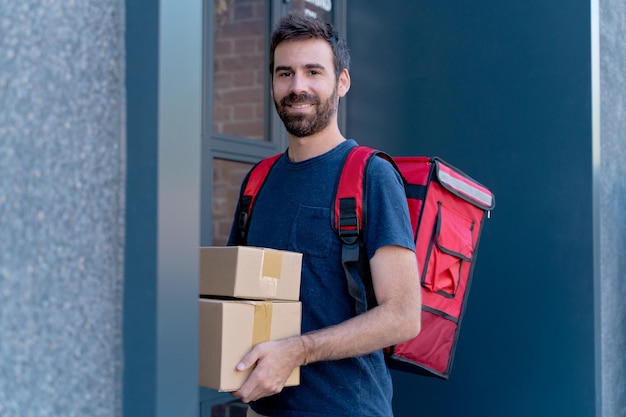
(272, 263)
(262, 322)
(272, 266)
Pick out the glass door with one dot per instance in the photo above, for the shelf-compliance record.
(240, 125)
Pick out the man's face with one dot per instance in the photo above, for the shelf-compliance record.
(304, 88)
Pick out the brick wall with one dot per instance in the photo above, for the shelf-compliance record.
(239, 98)
(227, 178)
(239, 68)
(239, 76)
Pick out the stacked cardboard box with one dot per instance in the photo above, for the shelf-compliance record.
(248, 295)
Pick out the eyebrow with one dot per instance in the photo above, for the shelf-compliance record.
(307, 66)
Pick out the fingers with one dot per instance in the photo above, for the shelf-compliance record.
(248, 360)
(261, 383)
(268, 376)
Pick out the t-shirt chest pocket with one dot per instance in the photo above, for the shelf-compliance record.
(311, 233)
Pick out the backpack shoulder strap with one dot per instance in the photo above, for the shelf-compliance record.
(348, 220)
(254, 182)
(348, 211)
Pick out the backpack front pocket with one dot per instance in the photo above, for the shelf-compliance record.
(451, 245)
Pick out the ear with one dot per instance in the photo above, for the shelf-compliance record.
(343, 84)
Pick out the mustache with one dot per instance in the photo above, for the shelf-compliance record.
(294, 98)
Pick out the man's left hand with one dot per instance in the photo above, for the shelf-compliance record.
(272, 363)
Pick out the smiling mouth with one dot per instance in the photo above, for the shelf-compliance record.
(300, 106)
(299, 102)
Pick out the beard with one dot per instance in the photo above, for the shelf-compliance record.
(302, 125)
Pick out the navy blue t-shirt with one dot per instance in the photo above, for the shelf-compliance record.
(292, 212)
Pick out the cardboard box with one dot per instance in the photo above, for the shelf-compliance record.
(250, 273)
(228, 329)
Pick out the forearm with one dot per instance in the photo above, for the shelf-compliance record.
(378, 328)
(395, 319)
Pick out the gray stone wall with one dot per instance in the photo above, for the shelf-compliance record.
(62, 106)
(612, 179)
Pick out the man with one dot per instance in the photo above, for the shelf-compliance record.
(343, 371)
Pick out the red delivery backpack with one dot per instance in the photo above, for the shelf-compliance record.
(447, 210)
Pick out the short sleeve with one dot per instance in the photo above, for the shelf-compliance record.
(387, 214)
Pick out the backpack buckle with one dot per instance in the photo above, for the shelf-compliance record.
(348, 224)
(244, 218)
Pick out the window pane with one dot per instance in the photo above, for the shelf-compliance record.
(317, 8)
(230, 409)
(227, 178)
(239, 68)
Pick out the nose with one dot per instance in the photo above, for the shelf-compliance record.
(298, 84)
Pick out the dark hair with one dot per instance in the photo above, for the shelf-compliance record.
(296, 26)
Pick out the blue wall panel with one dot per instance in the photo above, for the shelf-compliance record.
(164, 83)
(140, 289)
(502, 91)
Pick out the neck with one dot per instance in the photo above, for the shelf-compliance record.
(301, 149)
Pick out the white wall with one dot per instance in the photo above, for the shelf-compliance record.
(61, 207)
(611, 177)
